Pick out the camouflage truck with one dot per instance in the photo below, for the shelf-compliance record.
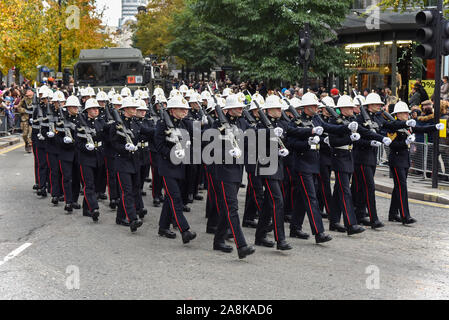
(116, 68)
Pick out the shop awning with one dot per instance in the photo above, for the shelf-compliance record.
(360, 26)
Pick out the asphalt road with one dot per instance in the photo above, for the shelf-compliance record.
(411, 262)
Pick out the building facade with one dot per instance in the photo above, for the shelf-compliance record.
(129, 10)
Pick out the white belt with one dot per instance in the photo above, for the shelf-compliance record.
(346, 147)
(98, 144)
(315, 147)
(143, 144)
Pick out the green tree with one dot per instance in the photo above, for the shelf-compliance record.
(152, 33)
(194, 41)
(263, 35)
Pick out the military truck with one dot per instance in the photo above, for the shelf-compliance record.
(116, 68)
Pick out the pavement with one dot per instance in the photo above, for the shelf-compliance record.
(7, 141)
(418, 188)
(46, 254)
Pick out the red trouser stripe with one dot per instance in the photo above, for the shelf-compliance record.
(49, 166)
(208, 186)
(344, 201)
(84, 188)
(367, 195)
(172, 204)
(36, 179)
(400, 193)
(324, 193)
(274, 210)
(123, 196)
(107, 177)
(62, 180)
(153, 181)
(310, 206)
(283, 191)
(254, 192)
(229, 216)
(215, 193)
(291, 185)
(38, 169)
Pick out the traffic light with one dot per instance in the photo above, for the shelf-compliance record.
(445, 37)
(428, 21)
(305, 51)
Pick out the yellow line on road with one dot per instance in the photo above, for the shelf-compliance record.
(430, 204)
(12, 148)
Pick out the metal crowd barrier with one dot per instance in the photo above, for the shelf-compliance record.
(421, 159)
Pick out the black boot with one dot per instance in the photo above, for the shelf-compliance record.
(68, 207)
(355, 229)
(245, 251)
(223, 247)
(264, 242)
(337, 227)
(322, 237)
(142, 213)
(95, 215)
(135, 224)
(122, 222)
(167, 233)
(394, 218)
(249, 224)
(55, 200)
(377, 224)
(113, 204)
(198, 197)
(408, 220)
(187, 236)
(298, 233)
(283, 245)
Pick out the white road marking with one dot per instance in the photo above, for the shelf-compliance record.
(15, 253)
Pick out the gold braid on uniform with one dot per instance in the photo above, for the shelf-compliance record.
(392, 136)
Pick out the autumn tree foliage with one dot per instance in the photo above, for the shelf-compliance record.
(30, 30)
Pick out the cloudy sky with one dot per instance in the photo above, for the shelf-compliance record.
(113, 11)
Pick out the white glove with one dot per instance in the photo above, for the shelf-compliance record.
(278, 132)
(40, 137)
(284, 152)
(355, 136)
(318, 131)
(90, 146)
(31, 120)
(130, 147)
(180, 153)
(68, 140)
(50, 134)
(440, 126)
(375, 143)
(188, 144)
(326, 141)
(410, 139)
(235, 153)
(411, 123)
(386, 141)
(314, 140)
(353, 126)
(204, 120)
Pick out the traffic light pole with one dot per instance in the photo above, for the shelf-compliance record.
(437, 93)
(306, 69)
